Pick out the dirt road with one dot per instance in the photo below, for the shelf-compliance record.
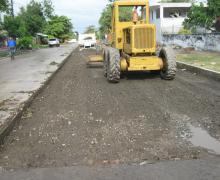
(81, 119)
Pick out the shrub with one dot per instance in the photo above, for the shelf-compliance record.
(185, 31)
(25, 42)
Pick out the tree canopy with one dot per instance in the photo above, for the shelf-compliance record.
(59, 26)
(105, 21)
(90, 29)
(36, 17)
(202, 16)
(4, 5)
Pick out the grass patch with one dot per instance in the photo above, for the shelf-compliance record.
(37, 46)
(208, 60)
(4, 54)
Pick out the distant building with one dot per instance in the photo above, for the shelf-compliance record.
(168, 17)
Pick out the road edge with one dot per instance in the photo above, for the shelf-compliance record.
(15, 118)
(198, 70)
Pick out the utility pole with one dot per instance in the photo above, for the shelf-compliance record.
(12, 8)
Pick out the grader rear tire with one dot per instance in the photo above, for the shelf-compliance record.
(169, 60)
(113, 66)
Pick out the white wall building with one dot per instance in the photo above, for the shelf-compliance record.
(168, 17)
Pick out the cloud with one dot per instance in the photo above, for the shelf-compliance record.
(82, 12)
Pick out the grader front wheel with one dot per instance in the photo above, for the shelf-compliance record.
(169, 60)
(113, 65)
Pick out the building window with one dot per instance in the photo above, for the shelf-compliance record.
(158, 13)
(172, 12)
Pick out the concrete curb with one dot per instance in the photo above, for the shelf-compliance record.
(12, 121)
(201, 71)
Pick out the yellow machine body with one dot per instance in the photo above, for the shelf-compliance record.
(141, 63)
(137, 41)
(95, 58)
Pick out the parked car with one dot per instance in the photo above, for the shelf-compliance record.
(54, 42)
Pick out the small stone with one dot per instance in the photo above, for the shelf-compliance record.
(90, 162)
(105, 162)
(143, 163)
(115, 161)
(69, 123)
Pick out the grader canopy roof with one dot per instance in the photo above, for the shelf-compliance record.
(131, 2)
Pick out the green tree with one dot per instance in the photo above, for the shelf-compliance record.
(15, 26)
(48, 8)
(201, 16)
(90, 29)
(4, 5)
(214, 8)
(105, 21)
(59, 27)
(106, 17)
(33, 16)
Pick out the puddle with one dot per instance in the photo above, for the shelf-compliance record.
(201, 138)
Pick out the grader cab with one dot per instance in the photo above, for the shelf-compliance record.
(133, 43)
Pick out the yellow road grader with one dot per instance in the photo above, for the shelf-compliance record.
(133, 44)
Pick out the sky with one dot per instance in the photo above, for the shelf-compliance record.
(81, 12)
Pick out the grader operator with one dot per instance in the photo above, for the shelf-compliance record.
(133, 44)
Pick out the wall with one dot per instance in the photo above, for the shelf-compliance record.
(171, 25)
(157, 22)
(198, 41)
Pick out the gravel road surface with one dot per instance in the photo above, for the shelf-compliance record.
(81, 119)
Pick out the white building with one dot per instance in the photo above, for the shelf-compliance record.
(168, 17)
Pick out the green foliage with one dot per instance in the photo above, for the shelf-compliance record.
(59, 27)
(125, 14)
(197, 17)
(4, 5)
(185, 31)
(105, 21)
(214, 8)
(90, 29)
(15, 26)
(34, 18)
(200, 16)
(25, 42)
(48, 8)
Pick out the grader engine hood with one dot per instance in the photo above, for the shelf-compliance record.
(140, 39)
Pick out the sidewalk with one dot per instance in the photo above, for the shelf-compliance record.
(20, 79)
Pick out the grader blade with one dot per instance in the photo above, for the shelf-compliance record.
(95, 61)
